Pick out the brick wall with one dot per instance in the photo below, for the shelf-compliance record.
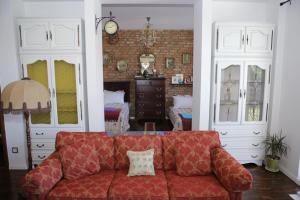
(170, 43)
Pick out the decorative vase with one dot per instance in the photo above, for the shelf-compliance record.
(272, 165)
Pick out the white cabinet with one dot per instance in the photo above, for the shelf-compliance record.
(49, 34)
(243, 39)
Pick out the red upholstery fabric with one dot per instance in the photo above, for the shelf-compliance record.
(233, 176)
(137, 143)
(139, 187)
(103, 143)
(195, 187)
(210, 138)
(192, 158)
(79, 159)
(39, 181)
(94, 187)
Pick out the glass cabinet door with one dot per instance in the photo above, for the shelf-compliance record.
(228, 94)
(66, 91)
(37, 69)
(256, 80)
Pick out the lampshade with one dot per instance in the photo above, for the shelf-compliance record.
(25, 96)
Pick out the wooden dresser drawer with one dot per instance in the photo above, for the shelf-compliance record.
(149, 104)
(150, 97)
(151, 82)
(148, 114)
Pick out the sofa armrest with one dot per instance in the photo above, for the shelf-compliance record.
(232, 175)
(39, 181)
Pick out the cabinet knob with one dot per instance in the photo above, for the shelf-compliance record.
(255, 145)
(224, 145)
(256, 133)
(254, 156)
(39, 133)
(223, 133)
(41, 157)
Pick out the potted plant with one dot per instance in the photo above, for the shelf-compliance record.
(275, 148)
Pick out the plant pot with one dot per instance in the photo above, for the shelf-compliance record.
(272, 165)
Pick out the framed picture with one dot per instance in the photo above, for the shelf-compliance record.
(179, 78)
(122, 65)
(170, 63)
(174, 79)
(186, 58)
(107, 58)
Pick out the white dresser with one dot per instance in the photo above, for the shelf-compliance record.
(242, 62)
(51, 52)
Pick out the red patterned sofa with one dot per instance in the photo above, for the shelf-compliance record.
(227, 179)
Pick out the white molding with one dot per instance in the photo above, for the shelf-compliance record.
(289, 174)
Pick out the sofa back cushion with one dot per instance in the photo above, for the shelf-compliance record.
(209, 138)
(137, 143)
(103, 143)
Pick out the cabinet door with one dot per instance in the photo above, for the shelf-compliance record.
(228, 92)
(38, 68)
(256, 91)
(34, 35)
(230, 39)
(259, 39)
(65, 34)
(67, 92)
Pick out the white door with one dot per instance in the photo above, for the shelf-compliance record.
(228, 95)
(259, 39)
(37, 67)
(256, 92)
(34, 35)
(65, 34)
(230, 39)
(67, 91)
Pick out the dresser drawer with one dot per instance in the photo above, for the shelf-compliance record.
(39, 155)
(150, 114)
(150, 97)
(241, 132)
(245, 142)
(48, 144)
(148, 88)
(247, 155)
(148, 105)
(43, 133)
(151, 82)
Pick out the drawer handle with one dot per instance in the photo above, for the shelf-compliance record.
(255, 145)
(256, 133)
(224, 145)
(39, 133)
(40, 146)
(224, 133)
(158, 112)
(252, 156)
(41, 157)
(158, 104)
(158, 96)
(158, 89)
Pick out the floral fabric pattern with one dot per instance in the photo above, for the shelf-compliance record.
(192, 158)
(209, 138)
(104, 145)
(137, 143)
(41, 179)
(94, 187)
(139, 187)
(195, 187)
(141, 163)
(79, 160)
(234, 176)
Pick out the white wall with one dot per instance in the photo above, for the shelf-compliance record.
(290, 94)
(10, 71)
(162, 16)
(53, 8)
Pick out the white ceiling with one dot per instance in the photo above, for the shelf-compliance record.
(162, 16)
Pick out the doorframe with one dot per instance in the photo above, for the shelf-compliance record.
(3, 134)
(201, 60)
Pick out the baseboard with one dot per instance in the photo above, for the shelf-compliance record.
(289, 174)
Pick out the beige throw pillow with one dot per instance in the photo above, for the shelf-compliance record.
(141, 163)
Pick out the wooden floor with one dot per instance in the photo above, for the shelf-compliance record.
(267, 186)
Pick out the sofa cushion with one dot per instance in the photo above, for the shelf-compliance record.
(195, 187)
(139, 187)
(104, 145)
(192, 158)
(141, 163)
(137, 143)
(210, 138)
(79, 159)
(94, 187)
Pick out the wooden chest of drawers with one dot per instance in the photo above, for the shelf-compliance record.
(150, 98)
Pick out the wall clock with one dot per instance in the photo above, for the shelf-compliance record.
(111, 27)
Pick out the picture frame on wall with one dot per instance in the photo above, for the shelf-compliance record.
(174, 79)
(107, 58)
(170, 63)
(179, 78)
(186, 58)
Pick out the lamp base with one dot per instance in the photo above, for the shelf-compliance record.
(26, 115)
